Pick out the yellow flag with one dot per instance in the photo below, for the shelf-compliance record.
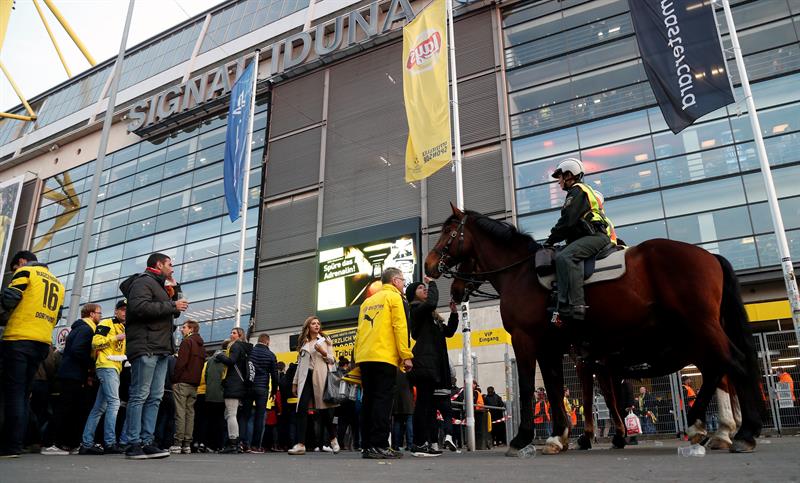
(425, 91)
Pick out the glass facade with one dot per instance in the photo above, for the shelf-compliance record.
(577, 88)
(157, 196)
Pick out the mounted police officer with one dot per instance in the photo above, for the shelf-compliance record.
(587, 231)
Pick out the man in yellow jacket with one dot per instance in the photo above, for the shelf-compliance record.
(381, 347)
(109, 342)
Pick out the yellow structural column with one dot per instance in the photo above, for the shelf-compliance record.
(69, 30)
(21, 98)
(52, 38)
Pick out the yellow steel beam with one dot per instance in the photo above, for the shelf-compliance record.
(69, 30)
(52, 37)
(19, 92)
(18, 117)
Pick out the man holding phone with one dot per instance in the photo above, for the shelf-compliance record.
(153, 305)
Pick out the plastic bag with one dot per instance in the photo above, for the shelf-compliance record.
(332, 393)
(632, 424)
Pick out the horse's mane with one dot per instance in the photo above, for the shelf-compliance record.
(499, 230)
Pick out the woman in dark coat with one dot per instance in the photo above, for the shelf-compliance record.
(234, 386)
(431, 364)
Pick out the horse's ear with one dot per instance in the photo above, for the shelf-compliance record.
(456, 211)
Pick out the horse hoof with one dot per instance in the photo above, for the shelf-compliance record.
(697, 438)
(550, 449)
(528, 451)
(718, 443)
(618, 442)
(584, 442)
(742, 446)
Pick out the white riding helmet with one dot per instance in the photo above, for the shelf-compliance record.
(569, 165)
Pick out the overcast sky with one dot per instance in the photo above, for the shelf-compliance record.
(32, 61)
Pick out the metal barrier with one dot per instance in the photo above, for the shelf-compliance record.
(668, 397)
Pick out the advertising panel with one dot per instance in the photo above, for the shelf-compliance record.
(9, 202)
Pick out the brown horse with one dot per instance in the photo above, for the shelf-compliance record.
(676, 305)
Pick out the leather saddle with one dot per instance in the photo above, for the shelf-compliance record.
(609, 264)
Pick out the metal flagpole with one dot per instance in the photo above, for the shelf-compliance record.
(465, 324)
(83, 252)
(772, 198)
(245, 188)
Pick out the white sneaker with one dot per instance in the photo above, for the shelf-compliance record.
(335, 445)
(449, 444)
(55, 451)
(327, 449)
(175, 449)
(435, 446)
(75, 451)
(297, 449)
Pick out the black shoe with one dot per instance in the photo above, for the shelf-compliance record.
(92, 450)
(154, 452)
(371, 454)
(388, 454)
(6, 454)
(115, 449)
(135, 452)
(424, 451)
(232, 447)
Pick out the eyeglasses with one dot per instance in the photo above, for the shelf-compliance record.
(97, 312)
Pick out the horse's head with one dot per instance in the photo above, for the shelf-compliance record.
(452, 246)
(461, 288)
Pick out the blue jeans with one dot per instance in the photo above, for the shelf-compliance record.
(261, 411)
(147, 389)
(107, 402)
(403, 426)
(21, 359)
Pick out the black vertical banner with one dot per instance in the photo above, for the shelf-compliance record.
(682, 58)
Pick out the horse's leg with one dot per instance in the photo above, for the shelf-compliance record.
(526, 372)
(553, 374)
(727, 423)
(697, 413)
(611, 391)
(587, 387)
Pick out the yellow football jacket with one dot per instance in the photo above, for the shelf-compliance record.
(382, 334)
(34, 297)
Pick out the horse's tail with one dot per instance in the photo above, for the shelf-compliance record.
(737, 325)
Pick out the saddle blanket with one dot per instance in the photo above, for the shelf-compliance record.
(610, 268)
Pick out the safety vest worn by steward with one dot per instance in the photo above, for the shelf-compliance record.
(541, 412)
(596, 212)
(41, 297)
(106, 344)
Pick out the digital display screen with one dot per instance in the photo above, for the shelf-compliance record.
(350, 272)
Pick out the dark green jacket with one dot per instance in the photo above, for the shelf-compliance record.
(571, 225)
(214, 371)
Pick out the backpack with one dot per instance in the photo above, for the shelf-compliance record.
(249, 377)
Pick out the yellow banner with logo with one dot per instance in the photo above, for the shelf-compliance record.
(425, 92)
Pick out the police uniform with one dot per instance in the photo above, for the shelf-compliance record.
(587, 231)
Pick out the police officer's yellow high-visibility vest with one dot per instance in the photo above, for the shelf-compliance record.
(596, 212)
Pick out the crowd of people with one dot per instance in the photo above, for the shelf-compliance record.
(121, 386)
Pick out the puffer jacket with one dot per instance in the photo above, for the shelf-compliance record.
(430, 351)
(233, 384)
(151, 313)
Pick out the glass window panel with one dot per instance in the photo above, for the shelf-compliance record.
(543, 145)
(625, 180)
(704, 196)
(205, 330)
(106, 273)
(199, 270)
(207, 191)
(206, 229)
(694, 138)
(618, 127)
(111, 237)
(252, 217)
(109, 254)
(117, 203)
(179, 165)
(780, 150)
(120, 186)
(136, 248)
(169, 239)
(144, 211)
(176, 183)
(114, 220)
(635, 234)
(773, 121)
(207, 209)
(210, 155)
(762, 218)
(122, 171)
(697, 166)
(619, 154)
(212, 138)
(141, 228)
(126, 154)
(199, 290)
(634, 209)
(201, 250)
(538, 226)
(174, 202)
(148, 193)
(226, 285)
(741, 252)
(151, 160)
(768, 247)
(150, 176)
(225, 307)
(172, 220)
(539, 198)
(229, 263)
(222, 328)
(181, 149)
(787, 184)
(201, 310)
(710, 226)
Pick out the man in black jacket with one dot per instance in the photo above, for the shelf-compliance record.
(77, 393)
(266, 365)
(151, 312)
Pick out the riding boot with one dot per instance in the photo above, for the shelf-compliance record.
(232, 447)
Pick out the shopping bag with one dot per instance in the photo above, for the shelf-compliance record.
(632, 424)
(332, 394)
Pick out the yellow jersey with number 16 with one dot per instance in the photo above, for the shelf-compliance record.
(38, 310)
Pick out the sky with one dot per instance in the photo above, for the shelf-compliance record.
(30, 58)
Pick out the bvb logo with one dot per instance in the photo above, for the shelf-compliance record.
(422, 57)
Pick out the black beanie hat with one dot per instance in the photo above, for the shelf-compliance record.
(411, 290)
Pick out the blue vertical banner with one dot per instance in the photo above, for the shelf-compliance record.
(236, 148)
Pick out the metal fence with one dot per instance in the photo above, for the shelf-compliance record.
(669, 397)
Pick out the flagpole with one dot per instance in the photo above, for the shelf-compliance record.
(466, 330)
(245, 188)
(91, 208)
(772, 198)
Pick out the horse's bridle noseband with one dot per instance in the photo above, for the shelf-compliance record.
(444, 253)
